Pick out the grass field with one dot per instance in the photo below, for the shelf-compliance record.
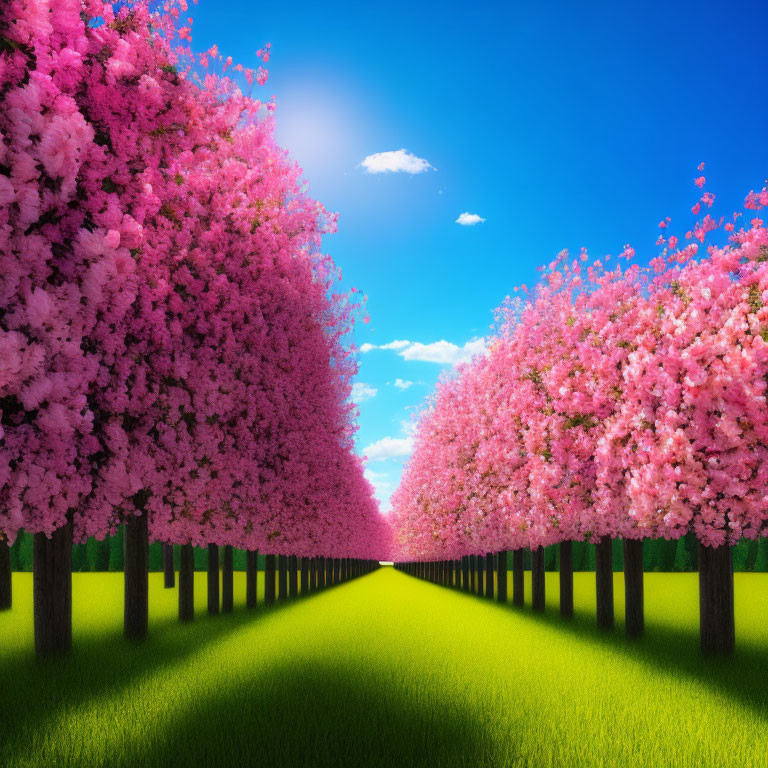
(386, 671)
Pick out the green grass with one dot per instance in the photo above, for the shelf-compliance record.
(386, 671)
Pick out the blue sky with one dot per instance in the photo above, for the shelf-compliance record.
(561, 126)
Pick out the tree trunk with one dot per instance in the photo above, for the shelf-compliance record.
(480, 575)
(213, 578)
(501, 577)
(168, 569)
(282, 577)
(473, 573)
(518, 577)
(717, 624)
(6, 584)
(52, 590)
(227, 579)
(465, 579)
(489, 575)
(136, 571)
(293, 576)
(305, 567)
(329, 571)
(251, 577)
(537, 579)
(451, 572)
(566, 579)
(604, 582)
(634, 611)
(344, 569)
(269, 580)
(186, 583)
(313, 561)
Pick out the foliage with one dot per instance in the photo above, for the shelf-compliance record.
(627, 402)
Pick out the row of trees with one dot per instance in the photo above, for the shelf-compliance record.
(625, 403)
(172, 346)
(663, 555)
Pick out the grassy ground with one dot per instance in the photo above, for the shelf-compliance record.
(386, 671)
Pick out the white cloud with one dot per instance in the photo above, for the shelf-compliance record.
(442, 352)
(389, 448)
(469, 219)
(362, 391)
(382, 488)
(396, 161)
(403, 385)
(396, 344)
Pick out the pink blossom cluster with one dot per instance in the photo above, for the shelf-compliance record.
(171, 342)
(625, 402)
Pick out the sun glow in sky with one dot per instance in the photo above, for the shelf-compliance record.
(466, 144)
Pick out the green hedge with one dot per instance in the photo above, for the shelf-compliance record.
(107, 555)
(658, 555)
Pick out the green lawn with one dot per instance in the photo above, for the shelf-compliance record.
(386, 671)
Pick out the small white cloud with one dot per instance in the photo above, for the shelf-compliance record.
(444, 352)
(396, 344)
(469, 219)
(403, 385)
(362, 391)
(389, 448)
(396, 161)
(382, 486)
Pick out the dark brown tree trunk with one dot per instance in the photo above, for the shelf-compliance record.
(329, 571)
(501, 577)
(186, 582)
(717, 623)
(305, 568)
(251, 578)
(451, 572)
(313, 574)
(282, 577)
(344, 569)
(634, 610)
(518, 577)
(269, 580)
(293, 576)
(566, 579)
(537, 579)
(473, 573)
(466, 583)
(480, 575)
(227, 579)
(489, 575)
(604, 582)
(52, 590)
(6, 584)
(213, 578)
(169, 573)
(136, 572)
(336, 570)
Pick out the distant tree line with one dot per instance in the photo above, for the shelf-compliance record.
(658, 555)
(107, 555)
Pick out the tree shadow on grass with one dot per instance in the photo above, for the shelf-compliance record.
(99, 664)
(316, 714)
(743, 677)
